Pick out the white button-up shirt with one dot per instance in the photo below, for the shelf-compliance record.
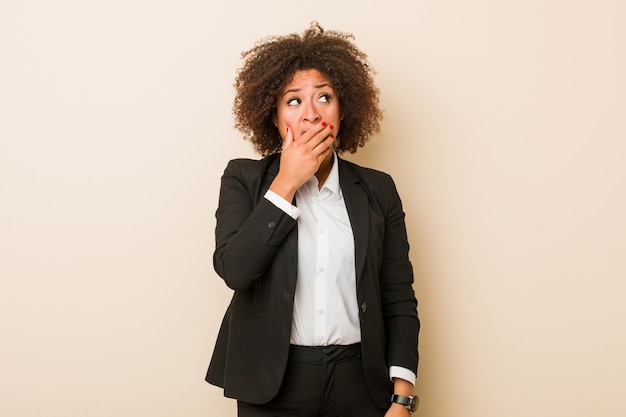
(325, 309)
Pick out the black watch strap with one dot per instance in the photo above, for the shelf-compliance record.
(409, 402)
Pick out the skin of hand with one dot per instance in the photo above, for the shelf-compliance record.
(397, 410)
(303, 158)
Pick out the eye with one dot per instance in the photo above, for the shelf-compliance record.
(293, 102)
(325, 98)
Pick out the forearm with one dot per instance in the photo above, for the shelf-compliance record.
(246, 243)
(402, 387)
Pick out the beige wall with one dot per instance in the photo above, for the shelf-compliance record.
(504, 131)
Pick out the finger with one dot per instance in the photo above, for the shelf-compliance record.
(311, 134)
(325, 145)
(320, 142)
(288, 139)
(326, 140)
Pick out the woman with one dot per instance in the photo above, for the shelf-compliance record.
(323, 319)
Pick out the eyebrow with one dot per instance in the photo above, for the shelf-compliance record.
(317, 86)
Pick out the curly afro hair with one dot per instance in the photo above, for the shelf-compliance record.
(271, 64)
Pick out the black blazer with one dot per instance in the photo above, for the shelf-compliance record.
(256, 255)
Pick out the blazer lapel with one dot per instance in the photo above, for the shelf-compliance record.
(357, 204)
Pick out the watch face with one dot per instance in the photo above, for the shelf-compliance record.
(414, 403)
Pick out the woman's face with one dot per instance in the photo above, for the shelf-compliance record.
(309, 99)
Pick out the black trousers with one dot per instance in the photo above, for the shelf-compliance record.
(319, 382)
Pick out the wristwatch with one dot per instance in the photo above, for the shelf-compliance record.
(411, 402)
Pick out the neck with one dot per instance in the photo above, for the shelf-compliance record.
(324, 170)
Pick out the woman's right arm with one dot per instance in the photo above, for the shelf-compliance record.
(248, 233)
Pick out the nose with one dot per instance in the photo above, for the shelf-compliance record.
(311, 114)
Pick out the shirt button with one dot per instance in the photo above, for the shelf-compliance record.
(364, 307)
(322, 231)
(320, 311)
(271, 225)
(322, 269)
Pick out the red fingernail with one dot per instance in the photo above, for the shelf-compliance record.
(332, 136)
(324, 124)
(331, 127)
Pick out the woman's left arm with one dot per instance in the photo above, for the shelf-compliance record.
(396, 282)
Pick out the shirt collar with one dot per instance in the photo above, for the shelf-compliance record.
(332, 181)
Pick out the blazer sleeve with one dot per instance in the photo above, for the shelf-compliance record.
(249, 228)
(396, 281)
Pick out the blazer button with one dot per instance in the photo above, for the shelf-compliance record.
(364, 307)
(271, 225)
